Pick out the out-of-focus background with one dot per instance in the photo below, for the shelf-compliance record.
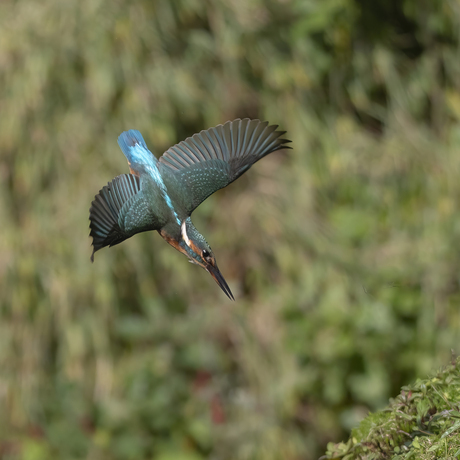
(343, 254)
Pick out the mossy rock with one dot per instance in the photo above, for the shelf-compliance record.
(421, 423)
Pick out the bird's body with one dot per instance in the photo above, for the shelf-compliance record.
(161, 194)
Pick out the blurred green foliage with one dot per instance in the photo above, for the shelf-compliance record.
(342, 254)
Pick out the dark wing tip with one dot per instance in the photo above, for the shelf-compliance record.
(285, 141)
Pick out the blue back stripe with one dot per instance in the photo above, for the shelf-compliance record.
(135, 150)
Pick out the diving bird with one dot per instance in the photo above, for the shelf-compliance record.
(161, 194)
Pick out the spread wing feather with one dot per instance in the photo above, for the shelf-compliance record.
(119, 211)
(212, 159)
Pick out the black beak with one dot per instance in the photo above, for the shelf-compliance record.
(217, 275)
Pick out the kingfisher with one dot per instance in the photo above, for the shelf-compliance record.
(161, 194)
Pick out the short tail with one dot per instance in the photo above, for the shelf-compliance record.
(104, 211)
(135, 150)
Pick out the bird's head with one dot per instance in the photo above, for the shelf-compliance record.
(195, 247)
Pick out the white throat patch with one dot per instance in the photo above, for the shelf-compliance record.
(183, 230)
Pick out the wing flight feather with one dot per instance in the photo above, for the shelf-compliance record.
(212, 159)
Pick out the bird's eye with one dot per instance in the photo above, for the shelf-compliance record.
(205, 254)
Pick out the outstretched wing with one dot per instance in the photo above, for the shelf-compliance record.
(212, 159)
(119, 211)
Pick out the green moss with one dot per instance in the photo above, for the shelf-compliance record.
(422, 422)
